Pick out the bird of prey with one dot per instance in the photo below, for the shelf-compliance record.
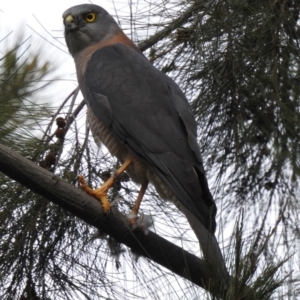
(142, 117)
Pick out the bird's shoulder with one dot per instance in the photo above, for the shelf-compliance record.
(133, 86)
(120, 69)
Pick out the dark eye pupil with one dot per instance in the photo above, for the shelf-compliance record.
(90, 17)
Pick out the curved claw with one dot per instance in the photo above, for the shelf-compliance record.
(100, 194)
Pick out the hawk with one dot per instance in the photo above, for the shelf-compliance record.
(143, 118)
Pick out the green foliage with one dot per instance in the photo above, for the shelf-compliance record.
(21, 77)
(248, 104)
(22, 74)
(249, 282)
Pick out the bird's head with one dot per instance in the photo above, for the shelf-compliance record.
(87, 24)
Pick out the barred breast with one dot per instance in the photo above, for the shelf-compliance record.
(138, 171)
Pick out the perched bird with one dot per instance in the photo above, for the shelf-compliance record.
(143, 118)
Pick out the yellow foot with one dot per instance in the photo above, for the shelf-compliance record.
(100, 194)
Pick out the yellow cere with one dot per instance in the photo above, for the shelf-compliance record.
(69, 19)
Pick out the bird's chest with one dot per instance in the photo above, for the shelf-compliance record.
(138, 171)
(102, 135)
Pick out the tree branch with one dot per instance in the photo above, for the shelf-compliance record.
(88, 209)
(172, 26)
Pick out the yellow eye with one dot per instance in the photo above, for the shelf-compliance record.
(90, 17)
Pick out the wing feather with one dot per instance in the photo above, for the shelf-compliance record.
(149, 114)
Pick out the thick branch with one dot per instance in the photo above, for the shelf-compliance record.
(88, 209)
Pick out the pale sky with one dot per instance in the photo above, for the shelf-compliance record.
(42, 21)
(49, 13)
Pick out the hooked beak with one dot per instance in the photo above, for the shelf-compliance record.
(69, 24)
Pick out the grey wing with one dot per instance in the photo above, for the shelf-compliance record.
(147, 112)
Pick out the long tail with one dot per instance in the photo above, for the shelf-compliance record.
(210, 249)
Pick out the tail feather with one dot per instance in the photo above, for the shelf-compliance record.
(210, 248)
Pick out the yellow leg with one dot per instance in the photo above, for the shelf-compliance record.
(138, 202)
(101, 193)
